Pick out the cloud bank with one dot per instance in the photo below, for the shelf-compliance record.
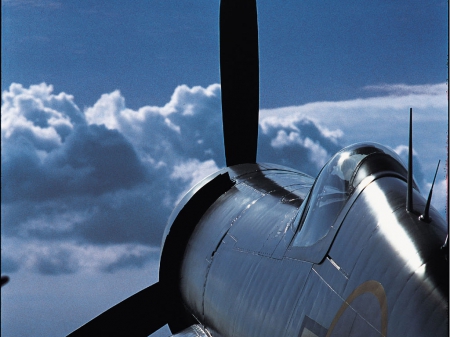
(92, 189)
(383, 118)
(76, 181)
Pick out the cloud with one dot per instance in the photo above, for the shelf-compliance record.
(136, 216)
(383, 119)
(93, 189)
(48, 150)
(371, 110)
(318, 154)
(440, 195)
(57, 258)
(104, 177)
(192, 172)
(406, 90)
(32, 115)
(419, 176)
(192, 114)
(92, 160)
(301, 143)
(106, 111)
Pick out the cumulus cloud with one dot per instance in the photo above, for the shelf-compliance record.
(301, 143)
(383, 118)
(192, 172)
(402, 151)
(440, 195)
(49, 151)
(104, 177)
(32, 114)
(189, 125)
(106, 111)
(92, 189)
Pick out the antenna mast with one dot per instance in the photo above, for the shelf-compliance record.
(409, 193)
(426, 213)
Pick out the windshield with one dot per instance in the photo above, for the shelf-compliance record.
(336, 183)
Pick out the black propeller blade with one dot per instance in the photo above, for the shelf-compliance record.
(239, 71)
(139, 315)
(148, 310)
(5, 279)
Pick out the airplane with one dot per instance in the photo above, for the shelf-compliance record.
(259, 249)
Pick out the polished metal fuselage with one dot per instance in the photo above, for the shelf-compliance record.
(378, 271)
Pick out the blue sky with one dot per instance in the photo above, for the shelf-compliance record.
(111, 111)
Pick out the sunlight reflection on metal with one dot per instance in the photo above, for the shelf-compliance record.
(421, 271)
(393, 231)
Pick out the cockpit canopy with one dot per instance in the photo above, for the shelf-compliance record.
(352, 164)
(337, 181)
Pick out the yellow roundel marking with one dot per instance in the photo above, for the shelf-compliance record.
(377, 290)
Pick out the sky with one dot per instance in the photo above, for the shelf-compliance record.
(111, 112)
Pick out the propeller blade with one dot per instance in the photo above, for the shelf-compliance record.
(239, 72)
(5, 279)
(139, 315)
